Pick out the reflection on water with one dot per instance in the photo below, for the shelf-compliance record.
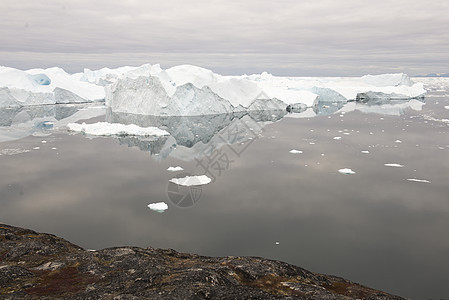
(374, 227)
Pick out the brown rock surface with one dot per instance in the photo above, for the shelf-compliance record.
(38, 265)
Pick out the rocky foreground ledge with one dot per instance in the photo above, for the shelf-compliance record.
(39, 265)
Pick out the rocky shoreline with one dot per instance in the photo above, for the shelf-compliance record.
(39, 265)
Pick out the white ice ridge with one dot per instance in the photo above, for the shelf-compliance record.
(189, 90)
(191, 180)
(106, 129)
(160, 207)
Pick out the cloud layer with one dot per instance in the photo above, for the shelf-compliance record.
(285, 35)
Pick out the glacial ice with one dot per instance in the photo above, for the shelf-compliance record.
(43, 87)
(159, 207)
(175, 169)
(191, 180)
(346, 171)
(41, 79)
(187, 90)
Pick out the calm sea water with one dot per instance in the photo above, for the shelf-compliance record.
(376, 227)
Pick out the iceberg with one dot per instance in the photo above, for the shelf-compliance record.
(44, 87)
(191, 180)
(346, 171)
(159, 207)
(187, 90)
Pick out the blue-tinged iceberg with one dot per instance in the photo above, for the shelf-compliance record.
(43, 87)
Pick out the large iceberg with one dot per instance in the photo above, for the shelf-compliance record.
(187, 90)
(43, 87)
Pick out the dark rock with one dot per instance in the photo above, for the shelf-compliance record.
(39, 265)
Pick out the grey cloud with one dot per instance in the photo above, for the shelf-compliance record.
(306, 28)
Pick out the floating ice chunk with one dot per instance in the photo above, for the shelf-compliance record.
(446, 107)
(277, 243)
(398, 141)
(175, 169)
(365, 151)
(191, 180)
(36, 148)
(107, 129)
(394, 165)
(159, 207)
(346, 171)
(337, 137)
(294, 151)
(418, 180)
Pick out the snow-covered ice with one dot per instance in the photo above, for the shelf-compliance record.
(346, 171)
(159, 207)
(106, 129)
(191, 180)
(175, 169)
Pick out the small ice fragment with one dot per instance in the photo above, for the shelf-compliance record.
(346, 133)
(398, 141)
(322, 154)
(43, 142)
(446, 107)
(394, 165)
(53, 148)
(175, 169)
(311, 143)
(159, 207)
(277, 243)
(418, 180)
(346, 171)
(36, 148)
(294, 151)
(337, 137)
(191, 180)
(365, 151)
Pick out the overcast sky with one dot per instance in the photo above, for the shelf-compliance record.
(284, 37)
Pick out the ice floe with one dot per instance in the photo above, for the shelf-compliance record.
(418, 180)
(106, 129)
(294, 151)
(175, 169)
(346, 171)
(159, 207)
(394, 165)
(191, 180)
